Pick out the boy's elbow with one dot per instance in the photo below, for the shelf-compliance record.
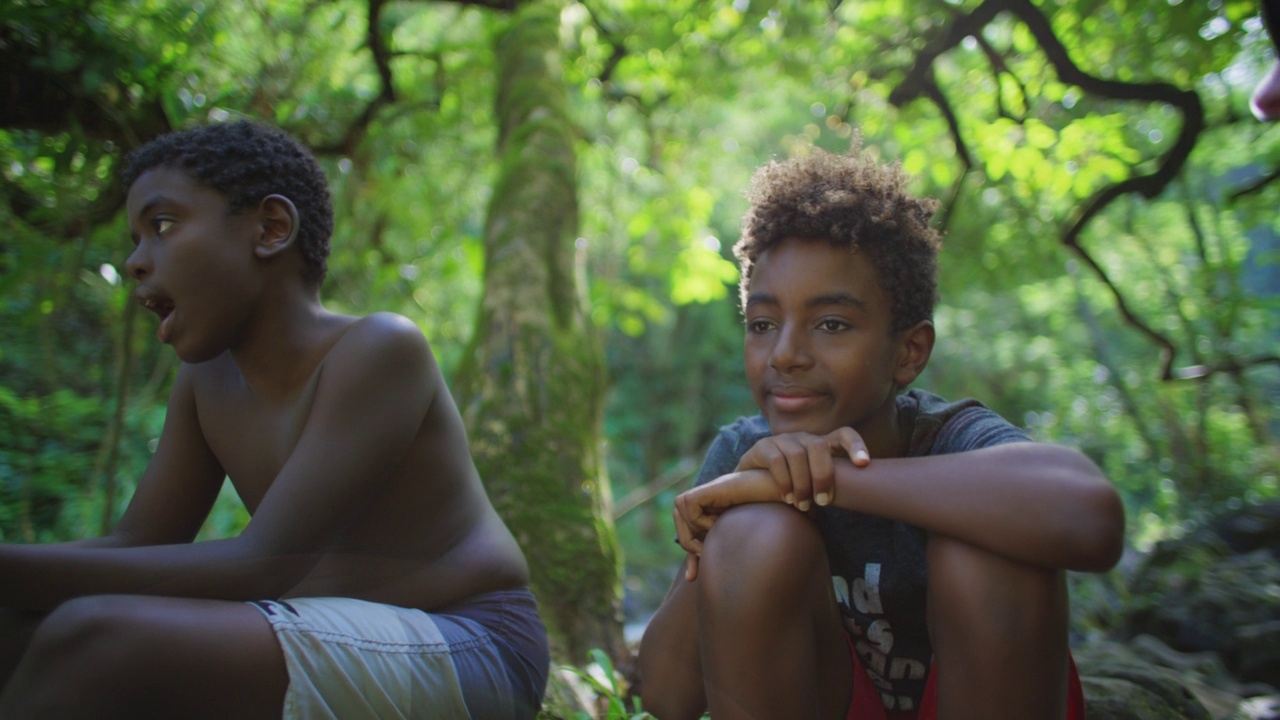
(1104, 532)
(1098, 525)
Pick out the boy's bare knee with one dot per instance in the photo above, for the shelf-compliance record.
(761, 538)
(83, 637)
(759, 556)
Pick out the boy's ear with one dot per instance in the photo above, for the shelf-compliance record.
(279, 226)
(915, 345)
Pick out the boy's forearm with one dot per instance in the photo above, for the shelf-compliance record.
(40, 577)
(1040, 504)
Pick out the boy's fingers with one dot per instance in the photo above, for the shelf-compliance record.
(848, 440)
(692, 522)
(684, 535)
(822, 474)
(800, 482)
(774, 458)
(691, 546)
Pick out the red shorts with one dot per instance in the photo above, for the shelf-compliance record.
(866, 704)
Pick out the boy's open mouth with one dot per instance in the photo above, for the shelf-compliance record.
(163, 307)
(159, 306)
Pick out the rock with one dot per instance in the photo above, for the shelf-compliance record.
(1251, 528)
(1136, 694)
(1258, 651)
(1263, 707)
(1119, 684)
(1209, 600)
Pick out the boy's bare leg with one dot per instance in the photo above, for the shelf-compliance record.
(771, 640)
(999, 631)
(670, 667)
(141, 657)
(758, 634)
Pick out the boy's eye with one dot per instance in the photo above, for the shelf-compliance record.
(832, 325)
(161, 225)
(758, 326)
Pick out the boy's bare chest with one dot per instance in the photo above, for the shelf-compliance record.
(253, 439)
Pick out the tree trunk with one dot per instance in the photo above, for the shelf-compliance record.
(531, 386)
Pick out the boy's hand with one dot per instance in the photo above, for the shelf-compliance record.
(697, 509)
(800, 463)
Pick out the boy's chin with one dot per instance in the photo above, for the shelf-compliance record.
(782, 425)
(195, 355)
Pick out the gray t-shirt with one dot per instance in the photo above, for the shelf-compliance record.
(878, 565)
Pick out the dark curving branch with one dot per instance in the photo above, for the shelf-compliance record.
(934, 92)
(611, 37)
(382, 54)
(919, 82)
(359, 127)
(65, 225)
(1149, 185)
(1000, 68)
(1254, 187)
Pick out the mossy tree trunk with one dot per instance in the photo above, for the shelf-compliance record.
(531, 386)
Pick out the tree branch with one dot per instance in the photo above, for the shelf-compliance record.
(1255, 187)
(999, 68)
(919, 80)
(63, 226)
(356, 131)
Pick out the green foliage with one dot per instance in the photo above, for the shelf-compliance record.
(673, 105)
(610, 688)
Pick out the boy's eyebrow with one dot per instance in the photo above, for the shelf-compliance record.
(154, 200)
(838, 298)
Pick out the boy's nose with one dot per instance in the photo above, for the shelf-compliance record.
(790, 351)
(137, 266)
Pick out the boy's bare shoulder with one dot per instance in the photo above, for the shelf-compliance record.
(384, 328)
(381, 338)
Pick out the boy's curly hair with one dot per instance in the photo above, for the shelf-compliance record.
(247, 161)
(852, 202)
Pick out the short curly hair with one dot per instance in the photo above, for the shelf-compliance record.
(854, 202)
(247, 161)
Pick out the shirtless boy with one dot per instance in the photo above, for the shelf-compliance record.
(856, 551)
(374, 579)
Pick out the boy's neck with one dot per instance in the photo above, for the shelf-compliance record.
(883, 435)
(284, 343)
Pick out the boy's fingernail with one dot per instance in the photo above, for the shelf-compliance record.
(861, 456)
(790, 498)
(804, 505)
(822, 498)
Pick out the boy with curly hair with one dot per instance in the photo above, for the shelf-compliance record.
(856, 551)
(374, 579)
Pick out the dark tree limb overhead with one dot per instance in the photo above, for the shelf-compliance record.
(919, 82)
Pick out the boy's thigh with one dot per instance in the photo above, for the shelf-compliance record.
(151, 656)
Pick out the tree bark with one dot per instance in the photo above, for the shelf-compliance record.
(531, 386)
